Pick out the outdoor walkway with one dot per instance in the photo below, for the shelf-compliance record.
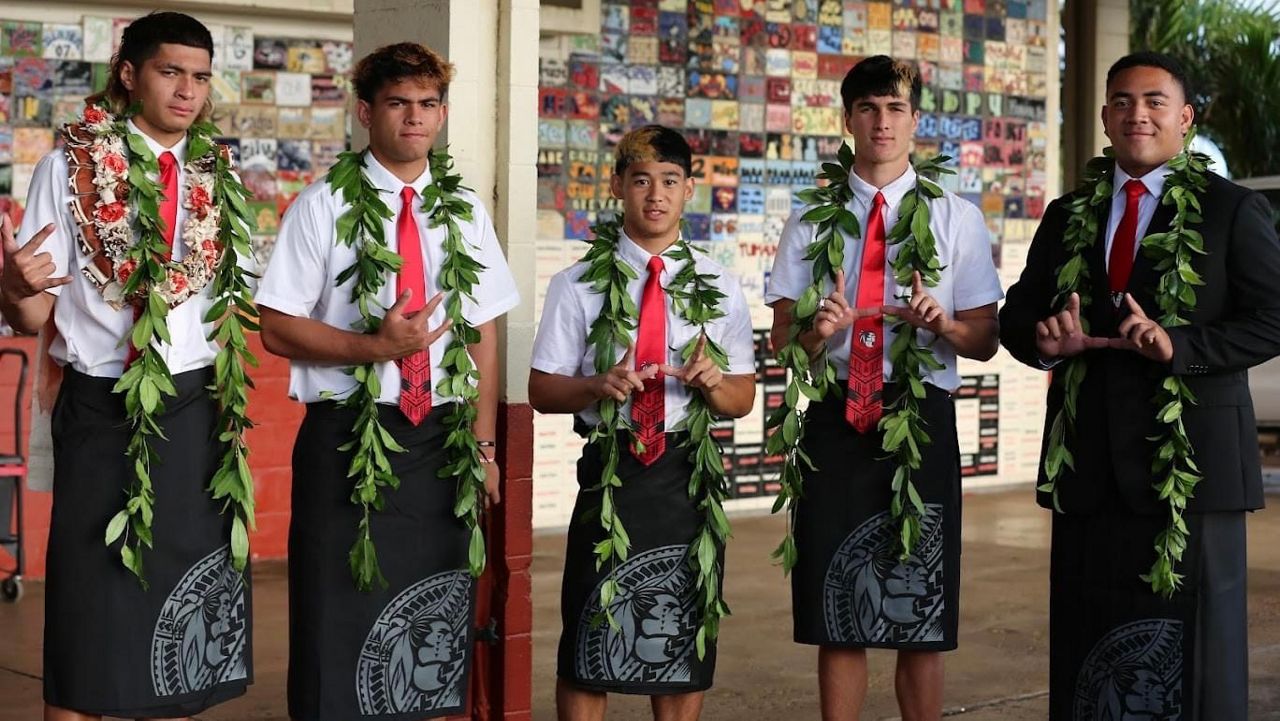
(999, 673)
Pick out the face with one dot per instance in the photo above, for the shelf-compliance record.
(882, 127)
(653, 195)
(1146, 118)
(404, 119)
(173, 87)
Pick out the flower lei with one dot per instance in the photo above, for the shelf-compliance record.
(116, 207)
(697, 301)
(361, 227)
(1172, 253)
(904, 432)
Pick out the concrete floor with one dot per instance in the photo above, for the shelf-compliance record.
(999, 672)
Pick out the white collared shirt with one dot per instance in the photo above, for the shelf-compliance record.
(91, 334)
(968, 281)
(301, 277)
(1147, 205)
(561, 344)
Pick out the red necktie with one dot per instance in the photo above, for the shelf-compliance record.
(648, 408)
(168, 224)
(415, 369)
(1120, 264)
(862, 407)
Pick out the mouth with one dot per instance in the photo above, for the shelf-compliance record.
(654, 213)
(181, 110)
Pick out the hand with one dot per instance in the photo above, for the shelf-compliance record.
(622, 379)
(1143, 335)
(834, 314)
(1060, 336)
(26, 273)
(492, 480)
(700, 371)
(923, 310)
(404, 334)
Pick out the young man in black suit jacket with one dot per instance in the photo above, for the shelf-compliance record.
(1116, 646)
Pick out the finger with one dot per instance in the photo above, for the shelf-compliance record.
(48, 283)
(899, 311)
(434, 303)
(648, 373)
(1068, 323)
(701, 350)
(434, 335)
(38, 239)
(837, 301)
(931, 314)
(1128, 323)
(6, 234)
(1073, 306)
(1042, 330)
(628, 357)
(397, 307)
(634, 381)
(1134, 307)
(917, 283)
(1055, 328)
(840, 283)
(1116, 343)
(672, 371)
(617, 387)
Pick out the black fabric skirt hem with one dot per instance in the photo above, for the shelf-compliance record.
(175, 706)
(631, 689)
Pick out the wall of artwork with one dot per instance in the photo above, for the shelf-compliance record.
(755, 87)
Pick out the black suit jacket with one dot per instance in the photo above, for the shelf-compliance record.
(1235, 325)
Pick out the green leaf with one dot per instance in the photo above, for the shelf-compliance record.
(115, 528)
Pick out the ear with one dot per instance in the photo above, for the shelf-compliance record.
(364, 113)
(1188, 116)
(615, 185)
(848, 122)
(915, 121)
(128, 77)
(688, 189)
(1103, 115)
(444, 113)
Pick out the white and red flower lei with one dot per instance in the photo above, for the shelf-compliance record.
(98, 160)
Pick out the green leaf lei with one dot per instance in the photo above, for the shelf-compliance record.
(1172, 252)
(696, 300)
(361, 227)
(813, 378)
(147, 380)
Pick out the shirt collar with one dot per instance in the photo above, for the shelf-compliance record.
(1154, 180)
(179, 148)
(638, 257)
(386, 181)
(893, 192)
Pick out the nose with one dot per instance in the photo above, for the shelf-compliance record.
(186, 87)
(415, 115)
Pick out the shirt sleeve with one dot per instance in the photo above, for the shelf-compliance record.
(738, 340)
(297, 273)
(561, 340)
(47, 203)
(791, 273)
(496, 292)
(976, 281)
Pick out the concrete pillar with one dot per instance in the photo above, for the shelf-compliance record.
(492, 135)
(1097, 34)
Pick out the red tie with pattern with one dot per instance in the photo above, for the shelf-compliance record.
(862, 406)
(648, 407)
(168, 223)
(1120, 264)
(415, 369)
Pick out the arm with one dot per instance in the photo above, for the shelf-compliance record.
(485, 356)
(299, 338)
(975, 333)
(733, 397)
(558, 393)
(1251, 334)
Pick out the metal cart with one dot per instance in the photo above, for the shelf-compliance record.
(13, 474)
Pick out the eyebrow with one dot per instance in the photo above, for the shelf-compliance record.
(401, 98)
(1148, 94)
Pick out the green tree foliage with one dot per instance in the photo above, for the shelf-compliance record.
(1231, 51)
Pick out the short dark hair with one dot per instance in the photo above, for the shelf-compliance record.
(392, 63)
(880, 75)
(1149, 59)
(142, 40)
(653, 143)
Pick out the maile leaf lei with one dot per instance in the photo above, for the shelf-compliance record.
(904, 434)
(361, 227)
(696, 300)
(1173, 465)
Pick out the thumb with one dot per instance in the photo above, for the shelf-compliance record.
(628, 357)
(701, 348)
(1133, 306)
(917, 283)
(1073, 306)
(6, 234)
(840, 282)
